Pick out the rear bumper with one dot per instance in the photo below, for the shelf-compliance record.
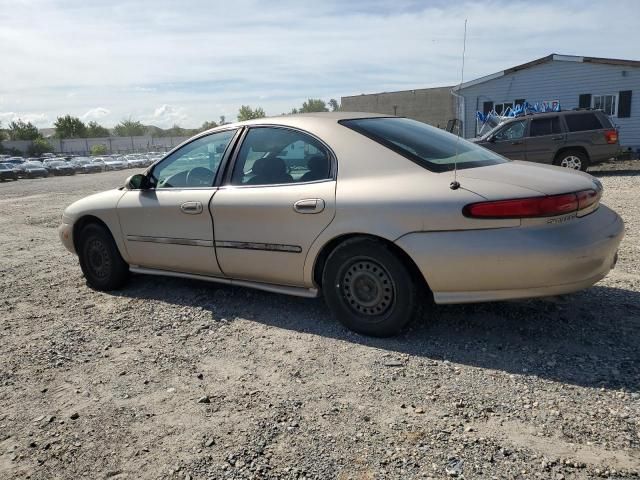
(520, 262)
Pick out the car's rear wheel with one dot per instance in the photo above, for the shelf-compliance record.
(369, 288)
(100, 260)
(573, 159)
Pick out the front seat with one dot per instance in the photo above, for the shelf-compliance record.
(318, 169)
(270, 170)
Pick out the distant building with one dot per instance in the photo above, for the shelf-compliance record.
(609, 84)
(434, 106)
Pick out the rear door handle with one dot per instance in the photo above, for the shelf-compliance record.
(559, 137)
(191, 208)
(517, 142)
(309, 205)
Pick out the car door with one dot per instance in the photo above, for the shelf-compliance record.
(169, 226)
(510, 140)
(279, 196)
(544, 140)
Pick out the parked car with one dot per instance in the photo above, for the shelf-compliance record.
(85, 165)
(8, 172)
(136, 161)
(14, 160)
(573, 139)
(59, 167)
(33, 170)
(115, 163)
(386, 213)
(100, 162)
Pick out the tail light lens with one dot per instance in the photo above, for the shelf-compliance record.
(611, 136)
(532, 207)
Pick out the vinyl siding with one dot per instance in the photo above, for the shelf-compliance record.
(563, 81)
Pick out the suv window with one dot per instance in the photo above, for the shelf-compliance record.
(273, 155)
(195, 164)
(579, 122)
(513, 131)
(544, 126)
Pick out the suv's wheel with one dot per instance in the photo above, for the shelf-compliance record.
(368, 288)
(574, 159)
(100, 260)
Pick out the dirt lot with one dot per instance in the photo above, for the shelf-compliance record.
(184, 380)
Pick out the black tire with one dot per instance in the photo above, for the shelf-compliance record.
(369, 288)
(575, 159)
(100, 260)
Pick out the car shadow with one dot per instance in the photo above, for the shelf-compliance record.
(589, 338)
(615, 173)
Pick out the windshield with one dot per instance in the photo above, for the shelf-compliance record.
(33, 164)
(57, 164)
(428, 146)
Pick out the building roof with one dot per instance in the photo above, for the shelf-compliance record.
(550, 58)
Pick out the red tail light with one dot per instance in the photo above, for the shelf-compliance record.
(534, 206)
(611, 136)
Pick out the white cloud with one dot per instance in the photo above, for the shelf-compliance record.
(166, 116)
(96, 113)
(38, 119)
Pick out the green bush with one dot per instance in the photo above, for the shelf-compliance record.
(99, 149)
(38, 147)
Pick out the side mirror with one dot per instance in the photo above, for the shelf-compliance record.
(491, 139)
(137, 182)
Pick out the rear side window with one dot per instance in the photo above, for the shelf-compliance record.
(544, 126)
(579, 122)
(430, 147)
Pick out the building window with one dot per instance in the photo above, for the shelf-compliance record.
(606, 103)
(501, 108)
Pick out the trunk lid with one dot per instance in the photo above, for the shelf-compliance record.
(532, 177)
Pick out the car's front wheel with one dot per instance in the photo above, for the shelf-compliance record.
(369, 288)
(100, 260)
(574, 159)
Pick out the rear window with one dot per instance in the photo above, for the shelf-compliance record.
(579, 122)
(544, 126)
(430, 147)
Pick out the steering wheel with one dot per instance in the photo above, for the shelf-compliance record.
(200, 177)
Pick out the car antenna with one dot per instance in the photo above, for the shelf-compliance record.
(455, 184)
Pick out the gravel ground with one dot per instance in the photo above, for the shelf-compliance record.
(177, 379)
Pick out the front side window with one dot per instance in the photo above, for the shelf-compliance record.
(544, 126)
(195, 164)
(606, 103)
(513, 131)
(273, 156)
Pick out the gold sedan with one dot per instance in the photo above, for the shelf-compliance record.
(377, 213)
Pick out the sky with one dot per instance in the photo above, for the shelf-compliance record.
(167, 62)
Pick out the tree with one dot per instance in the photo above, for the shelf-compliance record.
(335, 106)
(70, 127)
(129, 128)
(98, 149)
(314, 105)
(19, 130)
(209, 125)
(223, 120)
(38, 147)
(247, 113)
(95, 130)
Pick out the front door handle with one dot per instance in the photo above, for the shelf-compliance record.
(309, 205)
(559, 137)
(517, 142)
(191, 208)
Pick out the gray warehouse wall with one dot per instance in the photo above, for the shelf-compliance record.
(113, 144)
(434, 106)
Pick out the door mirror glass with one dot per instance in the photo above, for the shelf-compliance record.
(137, 182)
